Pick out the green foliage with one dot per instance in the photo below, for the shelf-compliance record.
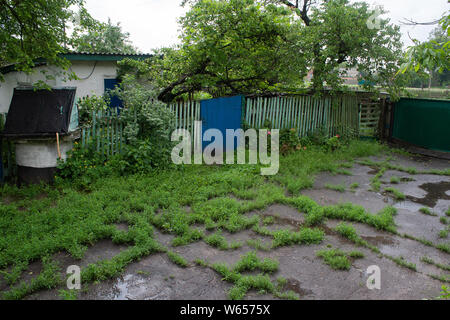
(395, 180)
(335, 258)
(403, 263)
(101, 38)
(348, 231)
(443, 220)
(177, 259)
(304, 236)
(432, 55)
(251, 262)
(89, 104)
(354, 186)
(397, 194)
(339, 188)
(32, 30)
(289, 141)
(427, 211)
(445, 293)
(218, 241)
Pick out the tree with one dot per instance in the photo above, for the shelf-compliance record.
(240, 46)
(432, 55)
(338, 38)
(32, 29)
(99, 37)
(229, 47)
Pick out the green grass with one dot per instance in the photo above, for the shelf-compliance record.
(447, 213)
(258, 245)
(285, 237)
(335, 258)
(428, 260)
(348, 231)
(398, 195)
(443, 234)
(443, 278)
(354, 186)
(38, 221)
(177, 259)
(443, 220)
(261, 282)
(427, 211)
(403, 263)
(395, 180)
(218, 241)
(338, 187)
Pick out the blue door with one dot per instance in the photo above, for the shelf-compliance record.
(115, 103)
(221, 114)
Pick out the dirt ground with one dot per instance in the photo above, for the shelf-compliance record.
(156, 277)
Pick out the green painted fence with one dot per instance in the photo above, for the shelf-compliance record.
(424, 123)
(105, 132)
(306, 113)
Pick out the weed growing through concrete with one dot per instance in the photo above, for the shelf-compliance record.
(428, 260)
(427, 211)
(338, 188)
(177, 259)
(398, 195)
(338, 259)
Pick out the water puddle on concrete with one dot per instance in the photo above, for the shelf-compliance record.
(435, 192)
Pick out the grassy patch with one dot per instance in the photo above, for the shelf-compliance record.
(354, 186)
(443, 220)
(335, 258)
(335, 187)
(443, 234)
(427, 211)
(218, 241)
(428, 260)
(403, 263)
(285, 237)
(258, 245)
(443, 278)
(261, 283)
(395, 180)
(398, 195)
(177, 259)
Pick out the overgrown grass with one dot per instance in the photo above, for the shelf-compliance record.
(338, 259)
(261, 282)
(38, 221)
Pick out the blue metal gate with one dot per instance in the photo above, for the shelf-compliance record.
(221, 114)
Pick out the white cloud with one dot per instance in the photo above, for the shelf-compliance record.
(153, 23)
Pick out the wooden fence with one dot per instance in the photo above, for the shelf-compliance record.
(185, 114)
(105, 132)
(306, 113)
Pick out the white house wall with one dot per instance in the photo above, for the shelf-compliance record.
(91, 74)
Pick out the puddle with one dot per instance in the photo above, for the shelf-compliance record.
(435, 192)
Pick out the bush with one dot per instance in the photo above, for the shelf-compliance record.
(87, 105)
(289, 140)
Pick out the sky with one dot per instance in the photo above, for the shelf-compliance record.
(153, 24)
